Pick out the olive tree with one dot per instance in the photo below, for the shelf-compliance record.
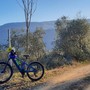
(74, 39)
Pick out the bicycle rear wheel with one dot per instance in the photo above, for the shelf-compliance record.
(5, 72)
(35, 71)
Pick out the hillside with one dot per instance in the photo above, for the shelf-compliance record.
(48, 27)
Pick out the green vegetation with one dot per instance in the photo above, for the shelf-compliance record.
(36, 45)
(73, 39)
(72, 42)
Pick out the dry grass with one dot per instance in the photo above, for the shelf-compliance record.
(19, 83)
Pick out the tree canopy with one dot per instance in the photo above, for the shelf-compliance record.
(73, 38)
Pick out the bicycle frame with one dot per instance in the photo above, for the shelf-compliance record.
(20, 68)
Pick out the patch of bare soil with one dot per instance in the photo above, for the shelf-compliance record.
(74, 79)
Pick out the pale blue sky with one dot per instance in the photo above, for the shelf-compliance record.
(47, 10)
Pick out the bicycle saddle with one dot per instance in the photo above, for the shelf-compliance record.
(26, 56)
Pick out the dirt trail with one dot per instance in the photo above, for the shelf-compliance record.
(76, 79)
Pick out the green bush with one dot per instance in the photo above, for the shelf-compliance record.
(52, 61)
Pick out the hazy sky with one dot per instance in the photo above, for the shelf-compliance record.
(47, 10)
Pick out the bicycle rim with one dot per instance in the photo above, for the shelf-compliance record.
(5, 72)
(36, 71)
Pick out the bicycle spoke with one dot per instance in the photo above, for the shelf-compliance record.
(37, 71)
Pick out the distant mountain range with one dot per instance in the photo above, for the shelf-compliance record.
(48, 26)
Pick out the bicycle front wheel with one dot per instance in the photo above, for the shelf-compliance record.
(5, 72)
(35, 71)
